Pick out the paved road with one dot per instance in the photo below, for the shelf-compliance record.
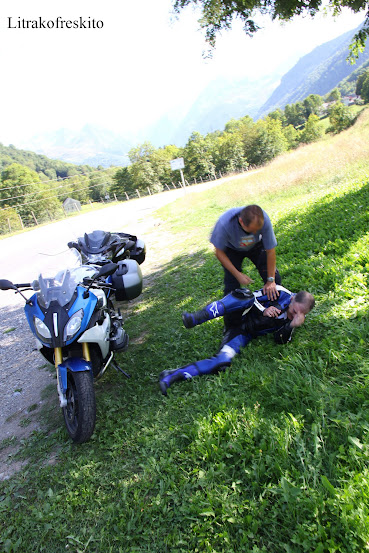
(19, 254)
(22, 254)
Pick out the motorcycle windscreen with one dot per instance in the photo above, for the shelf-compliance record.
(62, 286)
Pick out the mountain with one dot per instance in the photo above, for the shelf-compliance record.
(47, 168)
(221, 100)
(316, 73)
(92, 145)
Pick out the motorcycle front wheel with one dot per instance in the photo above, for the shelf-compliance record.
(80, 411)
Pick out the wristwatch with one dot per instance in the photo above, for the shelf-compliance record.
(270, 279)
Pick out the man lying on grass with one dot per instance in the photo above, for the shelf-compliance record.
(259, 316)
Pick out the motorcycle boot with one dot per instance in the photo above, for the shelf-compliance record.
(167, 377)
(218, 362)
(239, 300)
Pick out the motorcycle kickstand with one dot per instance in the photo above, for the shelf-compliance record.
(118, 368)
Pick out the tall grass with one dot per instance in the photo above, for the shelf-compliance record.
(270, 456)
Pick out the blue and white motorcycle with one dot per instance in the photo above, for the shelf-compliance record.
(77, 328)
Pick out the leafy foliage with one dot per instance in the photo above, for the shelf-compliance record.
(269, 456)
(46, 168)
(218, 15)
(33, 187)
(312, 131)
(365, 88)
(340, 118)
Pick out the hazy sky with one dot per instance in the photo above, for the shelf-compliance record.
(139, 65)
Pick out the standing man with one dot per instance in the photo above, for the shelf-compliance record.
(246, 232)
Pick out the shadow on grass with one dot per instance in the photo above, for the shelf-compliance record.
(261, 457)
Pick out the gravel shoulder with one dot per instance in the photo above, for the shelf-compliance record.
(24, 374)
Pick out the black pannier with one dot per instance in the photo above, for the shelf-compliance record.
(127, 280)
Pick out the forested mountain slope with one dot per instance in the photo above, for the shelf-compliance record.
(316, 73)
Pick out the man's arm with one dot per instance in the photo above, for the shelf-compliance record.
(270, 288)
(243, 279)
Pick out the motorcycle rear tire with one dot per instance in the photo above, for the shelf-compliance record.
(80, 411)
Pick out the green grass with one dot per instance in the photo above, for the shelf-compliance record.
(270, 456)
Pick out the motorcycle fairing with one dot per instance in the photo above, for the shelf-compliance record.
(64, 314)
(98, 334)
(74, 364)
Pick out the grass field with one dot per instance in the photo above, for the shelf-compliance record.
(268, 457)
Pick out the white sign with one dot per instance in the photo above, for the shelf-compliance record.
(177, 163)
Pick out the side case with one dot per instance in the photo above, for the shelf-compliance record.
(127, 280)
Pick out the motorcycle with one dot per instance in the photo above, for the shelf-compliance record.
(76, 325)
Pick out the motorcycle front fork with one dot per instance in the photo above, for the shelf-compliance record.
(58, 360)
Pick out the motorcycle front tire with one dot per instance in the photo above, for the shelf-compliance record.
(80, 411)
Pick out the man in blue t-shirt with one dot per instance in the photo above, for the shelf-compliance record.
(246, 232)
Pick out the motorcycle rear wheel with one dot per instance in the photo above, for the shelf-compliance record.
(80, 411)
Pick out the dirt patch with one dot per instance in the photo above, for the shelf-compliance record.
(24, 375)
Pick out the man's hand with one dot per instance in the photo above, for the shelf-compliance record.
(271, 311)
(298, 320)
(270, 289)
(244, 280)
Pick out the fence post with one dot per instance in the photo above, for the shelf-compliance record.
(34, 217)
(126, 195)
(21, 222)
(9, 225)
(149, 191)
(138, 194)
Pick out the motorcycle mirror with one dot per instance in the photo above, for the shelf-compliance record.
(7, 285)
(105, 270)
(108, 269)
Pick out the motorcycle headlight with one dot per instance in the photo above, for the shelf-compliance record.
(73, 325)
(42, 331)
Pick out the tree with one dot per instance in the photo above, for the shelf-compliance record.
(312, 104)
(365, 89)
(160, 160)
(359, 83)
(279, 115)
(122, 183)
(98, 186)
(22, 189)
(218, 15)
(79, 188)
(334, 95)
(268, 141)
(198, 156)
(292, 136)
(228, 153)
(295, 114)
(312, 131)
(142, 170)
(340, 118)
